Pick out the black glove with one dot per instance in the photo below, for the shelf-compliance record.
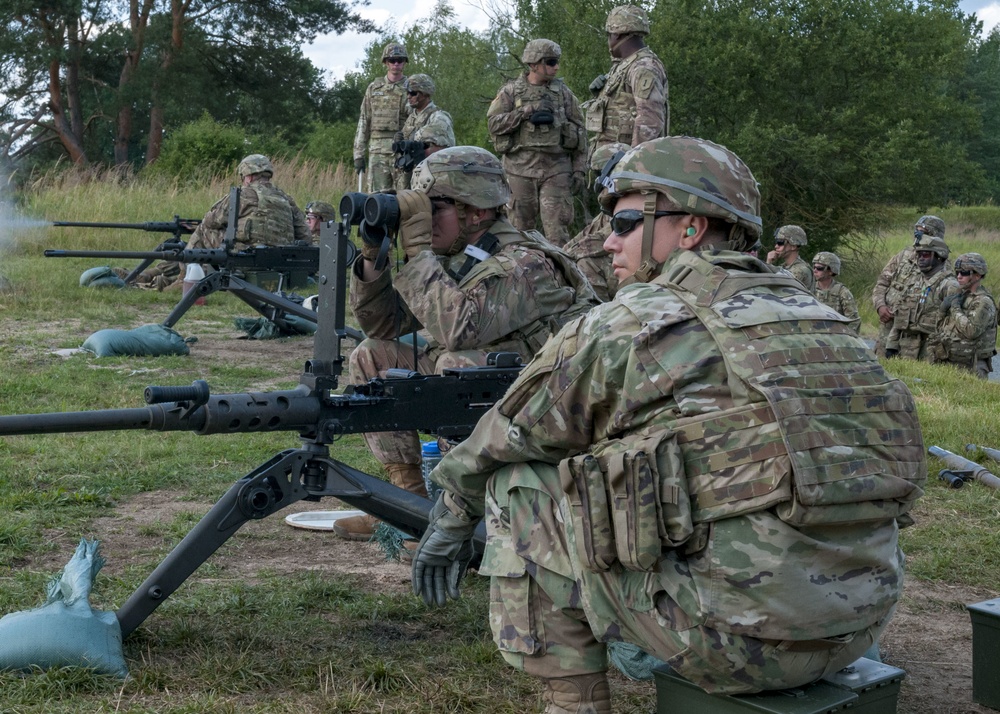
(443, 555)
(949, 302)
(359, 165)
(598, 84)
(542, 117)
(891, 353)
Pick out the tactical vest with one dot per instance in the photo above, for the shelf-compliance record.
(955, 348)
(269, 221)
(578, 292)
(905, 273)
(611, 116)
(388, 103)
(919, 308)
(548, 138)
(818, 433)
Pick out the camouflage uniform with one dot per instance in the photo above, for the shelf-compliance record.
(632, 103)
(898, 273)
(837, 296)
(918, 312)
(540, 160)
(967, 336)
(431, 125)
(383, 113)
(680, 469)
(802, 271)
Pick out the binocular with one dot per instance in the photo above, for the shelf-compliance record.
(375, 215)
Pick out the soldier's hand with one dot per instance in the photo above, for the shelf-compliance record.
(415, 221)
(359, 165)
(578, 183)
(372, 238)
(949, 302)
(885, 314)
(598, 84)
(443, 555)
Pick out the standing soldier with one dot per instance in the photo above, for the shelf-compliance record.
(967, 336)
(630, 102)
(472, 284)
(787, 242)
(690, 467)
(831, 292)
(536, 125)
(428, 125)
(899, 272)
(383, 111)
(918, 312)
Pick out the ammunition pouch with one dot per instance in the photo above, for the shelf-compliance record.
(540, 118)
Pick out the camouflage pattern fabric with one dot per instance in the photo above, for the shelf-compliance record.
(539, 160)
(890, 286)
(165, 275)
(431, 125)
(383, 112)
(510, 302)
(639, 389)
(839, 297)
(802, 270)
(211, 232)
(918, 313)
(633, 105)
(587, 248)
(967, 336)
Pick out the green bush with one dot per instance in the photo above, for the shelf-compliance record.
(331, 143)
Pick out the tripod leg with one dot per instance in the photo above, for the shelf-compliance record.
(206, 286)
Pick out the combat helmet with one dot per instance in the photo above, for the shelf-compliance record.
(537, 50)
(828, 259)
(255, 164)
(627, 20)
(394, 49)
(793, 235)
(467, 174)
(605, 152)
(695, 176)
(934, 245)
(971, 261)
(324, 210)
(420, 83)
(929, 226)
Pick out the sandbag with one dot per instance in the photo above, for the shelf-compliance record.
(65, 631)
(102, 277)
(260, 328)
(145, 341)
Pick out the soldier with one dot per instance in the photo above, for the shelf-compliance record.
(787, 242)
(918, 311)
(472, 284)
(630, 103)
(267, 216)
(897, 273)
(967, 336)
(318, 213)
(755, 249)
(536, 125)
(427, 124)
(831, 292)
(383, 112)
(651, 476)
(587, 247)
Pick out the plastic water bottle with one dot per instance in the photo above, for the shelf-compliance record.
(192, 276)
(430, 456)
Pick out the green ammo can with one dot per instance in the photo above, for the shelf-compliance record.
(985, 652)
(875, 683)
(676, 695)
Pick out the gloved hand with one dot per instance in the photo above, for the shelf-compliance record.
(443, 555)
(372, 238)
(415, 222)
(891, 353)
(578, 183)
(950, 301)
(359, 165)
(598, 84)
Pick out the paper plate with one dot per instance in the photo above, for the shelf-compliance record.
(318, 520)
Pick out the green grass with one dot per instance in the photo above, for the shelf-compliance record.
(302, 642)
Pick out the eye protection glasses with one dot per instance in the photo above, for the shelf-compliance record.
(625, 221)
(550, 62)
(963, 273)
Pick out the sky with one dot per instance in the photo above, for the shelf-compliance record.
(339, 54)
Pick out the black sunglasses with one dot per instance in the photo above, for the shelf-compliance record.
(550, 62)
(413, 94)
(963, 273)
(396, 60)
(821, 267)
(779, 242)
(625, 221)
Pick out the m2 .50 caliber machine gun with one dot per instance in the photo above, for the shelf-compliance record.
(231, 270)
(448, 405)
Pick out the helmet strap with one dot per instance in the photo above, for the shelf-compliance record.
(648, 268)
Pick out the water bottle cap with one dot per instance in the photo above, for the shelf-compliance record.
(430, 448)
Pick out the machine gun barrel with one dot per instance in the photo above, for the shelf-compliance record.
(963, 469)
(277, 258)
(177, 226)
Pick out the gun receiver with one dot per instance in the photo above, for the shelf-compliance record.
(961, 470)
(448, 405)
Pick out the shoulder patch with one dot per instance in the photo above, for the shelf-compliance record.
(644, 87)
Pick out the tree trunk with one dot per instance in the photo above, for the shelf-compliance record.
(178, 11)
(138, 21)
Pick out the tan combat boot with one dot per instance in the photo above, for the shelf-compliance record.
(583, 694)
(407, 477)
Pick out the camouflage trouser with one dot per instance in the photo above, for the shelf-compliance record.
(911, 345)
(592, 260)
(551, 615)
(373, 357)
(167, 275)
(550, 198)
(884, 328)
(379, 169)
